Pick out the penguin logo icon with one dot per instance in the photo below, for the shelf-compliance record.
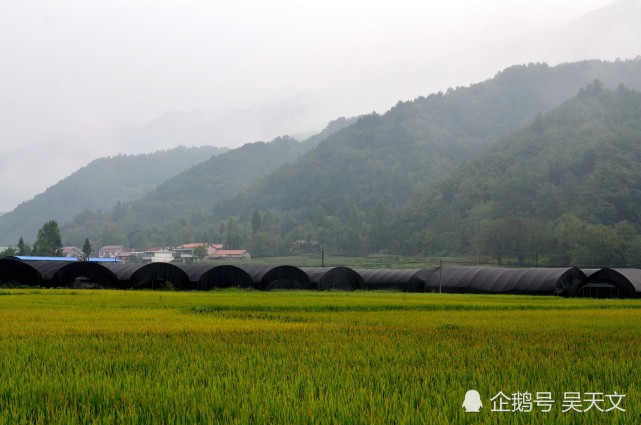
(472, 402)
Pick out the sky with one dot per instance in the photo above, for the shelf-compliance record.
(83, 79)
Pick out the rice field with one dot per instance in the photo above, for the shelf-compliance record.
(307, 357)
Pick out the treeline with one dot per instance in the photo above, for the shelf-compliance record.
(48, 243)
(564, 190)
(182, 208)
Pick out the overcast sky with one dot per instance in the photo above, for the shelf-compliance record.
(76, 74)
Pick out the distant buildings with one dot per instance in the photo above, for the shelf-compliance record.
(111, 251)
(238, 254)
(185, 253)
(71, 251)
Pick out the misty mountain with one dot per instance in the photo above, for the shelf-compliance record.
(569, 183)
(224, 176)
(164, 132)
(607, 33)
(98, 185)
(189, 198)
(231, 128)
(385, 158)
(346, 191)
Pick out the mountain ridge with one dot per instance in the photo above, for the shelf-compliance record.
(97, 185)
(576, 165)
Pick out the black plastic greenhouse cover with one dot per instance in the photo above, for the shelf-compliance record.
(390, 279)
(607, 282)
(74, 274)
(278, 277)
(149, 276)
(16, 271)
(328, 278)
(540, 281)
(611, 283)
(206, 277)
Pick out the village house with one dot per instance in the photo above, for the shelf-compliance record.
(158, 255)
(110, 251)
(230, 254)
(126, 256)
(71, 251)
(185, 252)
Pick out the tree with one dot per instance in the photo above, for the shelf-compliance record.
(8, 252)
(200, 252)
(232, 239)
(568, 232)
(48, 240)
(113, 235)
(87, 249)
(23, 248)
(379, 235)
(256, 222)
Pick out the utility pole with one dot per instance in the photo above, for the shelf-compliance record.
(440, 271)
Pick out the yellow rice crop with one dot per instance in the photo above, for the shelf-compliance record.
(303, 357)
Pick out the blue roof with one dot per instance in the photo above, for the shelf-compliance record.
(36, 258)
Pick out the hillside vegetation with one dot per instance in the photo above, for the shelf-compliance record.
(169, 214)
(100, 185)
(566, 187)
(367, 186)
(347, 192)
(384, 158)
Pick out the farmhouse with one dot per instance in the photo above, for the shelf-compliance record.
(110, 251)
(71, 251)
(227, 254)
(185, 252)
(158, 255)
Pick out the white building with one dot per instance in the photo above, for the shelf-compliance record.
(158, 255)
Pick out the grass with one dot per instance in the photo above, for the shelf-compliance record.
(372, 261)
(304, 357)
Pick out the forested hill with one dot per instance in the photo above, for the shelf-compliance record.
(566, 189)
(224, 176)
(345, 192)
(181, 207)
(98, 185)
(382, 159)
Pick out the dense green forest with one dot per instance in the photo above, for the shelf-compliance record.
(98, 186)
(180, 209)
(564, 190)
(384, 158)
(413, 180)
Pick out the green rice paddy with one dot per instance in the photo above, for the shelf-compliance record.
(308, 357)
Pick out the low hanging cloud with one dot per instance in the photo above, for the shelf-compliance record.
(87, 79)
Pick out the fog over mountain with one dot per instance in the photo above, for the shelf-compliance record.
(84, 79)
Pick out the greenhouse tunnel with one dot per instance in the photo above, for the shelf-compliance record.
(207, 277)
(150, 276)
(387, 279)
(328, 278)
(17, 272)
(611, 283)
(267, 278)
(76, 274)
(532, 281)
